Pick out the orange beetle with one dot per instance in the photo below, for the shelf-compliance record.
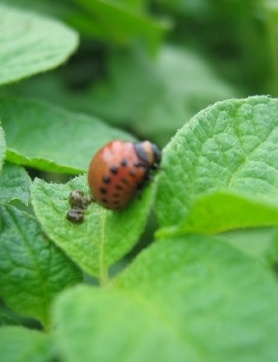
(119, 170)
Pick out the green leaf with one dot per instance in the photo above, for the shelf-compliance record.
(188, 84)
(31, 44)
(120, 23)
(2, 146)
(222, 211)
(47, 7)
(130, 73)
(152, 97)
(194, 9)
(14, 184)
(270, 10)
(32, 270)
(103, 238)
(230, 147)
(260, 244)
(61, 141)
(133, 329)
(169, 90)
(19, 344)
(139, 5)
(271, 252)
(186, 299)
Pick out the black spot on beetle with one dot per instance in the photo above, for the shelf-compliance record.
(124, 180)
(114, 169)
(118, 187)
(103, 190)
(106, 179)
(116, 195)
(132, 173)
(124, 162)
(104, 201)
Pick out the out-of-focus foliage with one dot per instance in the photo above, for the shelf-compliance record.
(150, 66)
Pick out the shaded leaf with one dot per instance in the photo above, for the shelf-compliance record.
(2, 146)
(19, 344)
(14, 184)
(120, 23)
(160, 94)
(32, 269)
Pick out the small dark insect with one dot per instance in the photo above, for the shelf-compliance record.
(75, 215)
(119, 170)
(78, 202)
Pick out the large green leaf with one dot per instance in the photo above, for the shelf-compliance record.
(32, 269)
(220, 165)
(49, 138)
(31, 43)
(103, 238)
(186, 299)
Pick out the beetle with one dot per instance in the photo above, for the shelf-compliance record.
(119, 170)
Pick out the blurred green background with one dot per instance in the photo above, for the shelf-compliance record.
(148, 66)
